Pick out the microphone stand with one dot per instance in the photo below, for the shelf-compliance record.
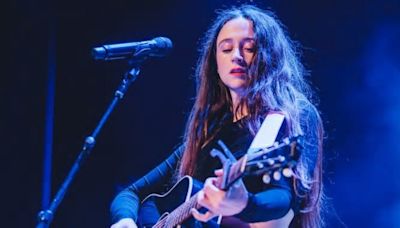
(46, 216)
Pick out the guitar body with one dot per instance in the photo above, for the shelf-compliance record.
(156, 206)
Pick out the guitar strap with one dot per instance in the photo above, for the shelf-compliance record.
(266, 135)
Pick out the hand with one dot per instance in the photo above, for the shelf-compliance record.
(125, 223)
(219, 202)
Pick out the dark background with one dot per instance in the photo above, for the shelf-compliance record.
(351, 48)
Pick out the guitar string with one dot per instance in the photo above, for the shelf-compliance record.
(183, 212)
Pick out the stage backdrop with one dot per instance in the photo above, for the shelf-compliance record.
(350, 48)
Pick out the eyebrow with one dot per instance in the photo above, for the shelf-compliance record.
(230, 40)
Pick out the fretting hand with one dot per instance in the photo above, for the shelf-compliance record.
(219, 202)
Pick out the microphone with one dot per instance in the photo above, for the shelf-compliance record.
(157, 47)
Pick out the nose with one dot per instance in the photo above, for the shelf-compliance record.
(237, 56)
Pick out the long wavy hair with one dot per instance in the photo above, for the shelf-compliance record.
(275, 82)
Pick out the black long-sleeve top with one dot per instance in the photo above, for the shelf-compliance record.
(266, 201)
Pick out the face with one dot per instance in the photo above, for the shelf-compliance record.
(234, 53)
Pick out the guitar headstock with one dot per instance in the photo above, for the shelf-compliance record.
(274, 161)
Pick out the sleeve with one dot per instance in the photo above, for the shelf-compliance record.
(271, 204)
(126, 203)
(279, 198)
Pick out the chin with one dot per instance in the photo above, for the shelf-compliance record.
(237, 89)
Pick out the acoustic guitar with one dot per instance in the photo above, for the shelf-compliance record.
(172, 209)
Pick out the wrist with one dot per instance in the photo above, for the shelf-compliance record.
(247, 206)
(246, 199)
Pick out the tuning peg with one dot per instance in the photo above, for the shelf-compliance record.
(281, 158)
(287, 172)
(277, 175)
(269, 161)
(266, 178)
(286, 141)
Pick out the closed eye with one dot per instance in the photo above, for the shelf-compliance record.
(249, 45)
(251, 50)
(226, 50)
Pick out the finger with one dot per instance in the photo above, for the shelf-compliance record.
(203, 201)
(219, 172)
(213, 195)
(210, 185)
(202, 217)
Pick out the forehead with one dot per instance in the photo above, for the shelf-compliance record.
(237, 28)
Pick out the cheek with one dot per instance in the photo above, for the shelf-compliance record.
(218, 58)
(221, 64)
(249, 58)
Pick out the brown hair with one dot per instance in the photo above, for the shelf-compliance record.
(275, 82)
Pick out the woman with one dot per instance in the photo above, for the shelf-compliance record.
(247, 68)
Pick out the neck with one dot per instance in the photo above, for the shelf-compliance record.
(242, 112)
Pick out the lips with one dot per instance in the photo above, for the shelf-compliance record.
(238, 70)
